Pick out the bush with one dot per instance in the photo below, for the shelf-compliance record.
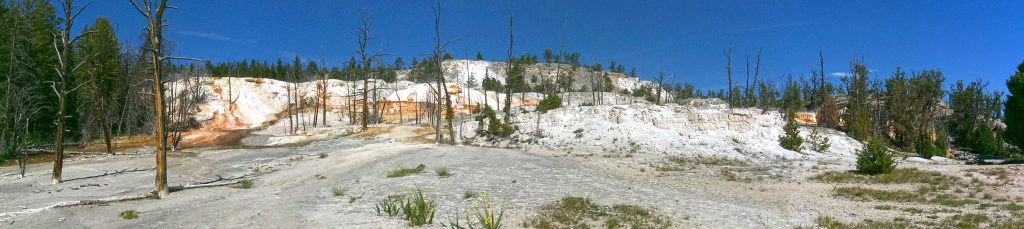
(818, 142)
(129, 214)
(926, 148)
(875, 158)
(494, 125)
(549, 102)
(791, 140)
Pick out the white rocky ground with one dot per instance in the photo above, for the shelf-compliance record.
(610, 152)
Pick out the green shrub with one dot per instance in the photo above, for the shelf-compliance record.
(495, 126)
(549, 102)
(389, 206)
(339, 191)
(817, 142)
(129, 214)
(875, 158)
(926, 148)
(791, 140)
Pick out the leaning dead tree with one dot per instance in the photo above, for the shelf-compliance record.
(62, 44)
(508, 72)
(153, 11)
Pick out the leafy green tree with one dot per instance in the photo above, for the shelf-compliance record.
(102, 49)
(1014, 108)
(857, 118)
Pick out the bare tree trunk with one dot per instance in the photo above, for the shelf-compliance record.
(508, 72)
(155, 21)
(65, 72)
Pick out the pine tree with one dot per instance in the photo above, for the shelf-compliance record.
(1014, 109)
(857, 118)
(875, 158)
(479, 56)
(791, 140)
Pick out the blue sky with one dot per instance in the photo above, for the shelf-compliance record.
(967, 40)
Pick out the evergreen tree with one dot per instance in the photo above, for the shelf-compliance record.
(875, 158)
(791, 140)
(102, 49)
(857, 116)
(1014, 108)
(479, 56)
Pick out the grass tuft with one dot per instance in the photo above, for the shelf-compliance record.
(401, 172)
(244, 184)
(443, 172)
(339, 191)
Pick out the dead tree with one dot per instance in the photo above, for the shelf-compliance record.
(728, 74)
(64, 73)
(367, 59)
(442, 92)
(508, 72)
(20, 104)
(660, 80)
(153, 11)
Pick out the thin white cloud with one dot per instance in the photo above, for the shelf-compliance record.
(839, 74)
(214, 36)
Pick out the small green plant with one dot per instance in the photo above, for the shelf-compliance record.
(353, 198)
(481, 214)
(323, 155)
(578, 133)
(244, 184)
(129, 214)
(443, 172)
(875, 158)
(415, 208)
(1013, 207)
(419, 210)
(339, 191)
(390, 206)
(319, 177)
(401, 172)
(468, 195)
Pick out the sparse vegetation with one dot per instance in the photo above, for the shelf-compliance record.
(443, 172)
(244, 184)
(339, 191)
(829, 222)
(581, 212)
(896, 176)
(468, 195)
(481, 214)
(415, 208)
(859, 193)
(129, 214)
(401, 172)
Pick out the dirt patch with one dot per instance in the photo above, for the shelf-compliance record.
(206, 138)
(119, 144)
